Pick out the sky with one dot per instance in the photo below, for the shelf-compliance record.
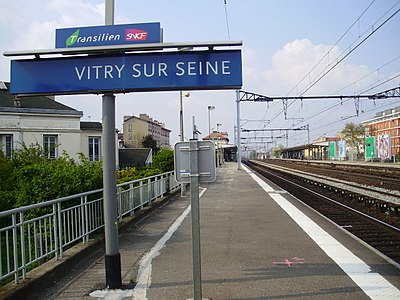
(290, 48)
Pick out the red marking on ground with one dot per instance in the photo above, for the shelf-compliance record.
(294, 261)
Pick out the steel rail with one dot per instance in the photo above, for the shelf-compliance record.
(336, 202)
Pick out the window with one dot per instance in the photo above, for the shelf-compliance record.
(94, 148)
(6, 142)
(50, 146)
(130, 127)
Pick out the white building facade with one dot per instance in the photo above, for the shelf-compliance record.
(42, 121)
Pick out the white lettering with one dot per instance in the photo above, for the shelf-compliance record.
(226, 67)
(136, 36)
(152, 70)
(162, 69)
(182, 71)
(80, 73)
(108, 71)
(192, 68)
(97, 71)
(210, 66)
(119, 70)
(136, 71)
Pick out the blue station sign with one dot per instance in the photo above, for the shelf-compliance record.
(192, 70)
(109, 35)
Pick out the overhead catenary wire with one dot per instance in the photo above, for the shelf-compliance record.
(357, 43)
(334, 45)
(324, 73)
(348, 52)
(341, 59)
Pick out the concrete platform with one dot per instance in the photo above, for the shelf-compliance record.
(258, 242)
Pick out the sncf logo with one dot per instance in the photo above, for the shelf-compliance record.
(135, 35)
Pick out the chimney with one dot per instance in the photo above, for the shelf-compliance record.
(17, 101)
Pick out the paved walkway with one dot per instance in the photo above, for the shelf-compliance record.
(257, 242)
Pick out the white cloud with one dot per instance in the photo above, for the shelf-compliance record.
(293, 68)
(27, 31)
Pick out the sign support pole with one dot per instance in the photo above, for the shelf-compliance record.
(194, 198)
(112, 255)
(239, 152)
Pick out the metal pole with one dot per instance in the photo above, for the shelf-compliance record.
(181, 117)
(182, 138)
(209, 122)
(109, 15)
(112, 255)
(239, 152)
(194, 197)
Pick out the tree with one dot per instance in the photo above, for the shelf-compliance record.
(164, 160)
(149, 142)
(354, 135)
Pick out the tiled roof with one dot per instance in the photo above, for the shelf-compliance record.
(96, 126)
(31, 102)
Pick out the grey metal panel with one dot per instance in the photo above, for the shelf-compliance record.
(206, 161)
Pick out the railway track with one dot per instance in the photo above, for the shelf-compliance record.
(383, 177)
(374, 230)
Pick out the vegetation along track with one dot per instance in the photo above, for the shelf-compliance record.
(380, 230)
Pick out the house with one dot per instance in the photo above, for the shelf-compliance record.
(224, 150)
(136, 128)
(219, 138)
(40, 120)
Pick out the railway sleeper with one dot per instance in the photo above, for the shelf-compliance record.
(394, 210)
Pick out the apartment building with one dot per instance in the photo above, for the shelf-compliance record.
(385, 128)
(136, 128)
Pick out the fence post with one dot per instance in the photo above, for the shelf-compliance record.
(119, 204)
(141, 194)
(131, 199)
(15, 245)
(60, 228)
(55, 218)
(85, 220)
(150, 195)
(23, 258)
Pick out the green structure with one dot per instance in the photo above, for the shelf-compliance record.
(332, 150)
(370, 149)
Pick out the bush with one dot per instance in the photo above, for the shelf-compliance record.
(164, 160)
(130, 174)
(30, 177)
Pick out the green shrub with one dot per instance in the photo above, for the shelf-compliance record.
(164, 160)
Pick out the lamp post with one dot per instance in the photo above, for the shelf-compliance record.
(210, 108)
(186, 94)
(182, 137)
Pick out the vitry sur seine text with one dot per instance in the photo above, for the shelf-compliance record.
(159, 69)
